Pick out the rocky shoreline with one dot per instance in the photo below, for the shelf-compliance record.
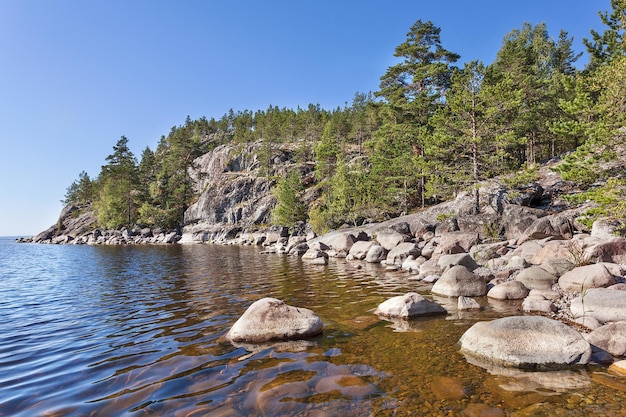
(526, 244)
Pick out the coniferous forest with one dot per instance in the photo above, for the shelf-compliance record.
(435, 127)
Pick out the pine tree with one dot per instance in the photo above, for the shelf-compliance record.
(289, 207)
(117, 202)
(469, 143)
(604, 46)
(413, 90)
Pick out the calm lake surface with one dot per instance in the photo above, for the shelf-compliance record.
(106, 331)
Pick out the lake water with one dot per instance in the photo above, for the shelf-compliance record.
(106, 331)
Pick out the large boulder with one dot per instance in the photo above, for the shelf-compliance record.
(509, 290)
(612, 250)
(340, 242)
(360, 248)
(558, 226)
(376, 254)
(269, 319)
(602, 303)
(555, 249)
(460, 281)
(557, 267)
(529, 342)
(606, 228)
(586, 277)
(451, 243)
(538, 304)
(517, 219)
(408, 306)
(610, 337)
(448, 261)
(389, 239)
(402, 251)
(536, 278)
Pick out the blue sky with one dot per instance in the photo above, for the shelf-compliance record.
(76, 75)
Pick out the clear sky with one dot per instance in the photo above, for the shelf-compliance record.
(76, 75)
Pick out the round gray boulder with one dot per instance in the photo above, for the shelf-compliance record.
(586, 277)
(269, 319)
(460, 281)
(509, 290)
(602, 303)
(610, 337)
(535, 277)
(408, 306)
(528, 342)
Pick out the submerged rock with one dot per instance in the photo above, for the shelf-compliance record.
(269, 319)
(528, 342)
(408, 306)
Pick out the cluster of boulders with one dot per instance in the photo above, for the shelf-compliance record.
(136, 236)
(573, 291)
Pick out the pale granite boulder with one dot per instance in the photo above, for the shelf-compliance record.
(528, 342)
(408, 306)
(269, 319)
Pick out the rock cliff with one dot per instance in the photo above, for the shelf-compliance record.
(235, 190)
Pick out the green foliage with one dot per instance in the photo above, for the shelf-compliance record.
(441, 217)
(81, 191)
(491, 232)
(534, 68)
(603, 47)
(289, 207)
(520, 178)
(117, 201)
(610, 200)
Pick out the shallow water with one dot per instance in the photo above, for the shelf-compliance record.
(105, 331)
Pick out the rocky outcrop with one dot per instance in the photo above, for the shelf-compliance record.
(269, 319)
(233, 190)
